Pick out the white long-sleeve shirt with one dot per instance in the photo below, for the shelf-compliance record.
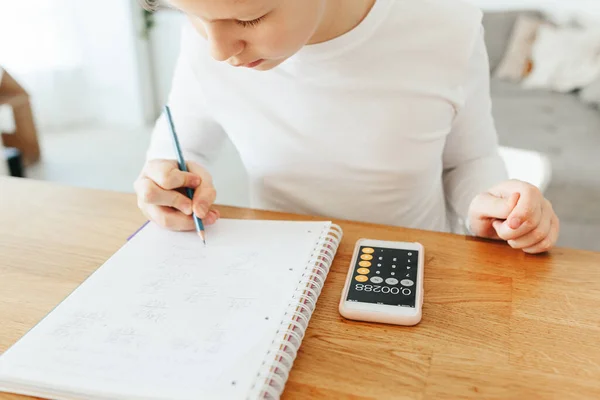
(389, 123)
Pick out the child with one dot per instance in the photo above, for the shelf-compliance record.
(366, 110)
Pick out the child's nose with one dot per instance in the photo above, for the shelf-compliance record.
(223, 45)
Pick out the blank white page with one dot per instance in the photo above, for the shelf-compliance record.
(168, 318)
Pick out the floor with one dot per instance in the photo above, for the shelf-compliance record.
(111, 159)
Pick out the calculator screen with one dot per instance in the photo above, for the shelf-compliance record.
(385, 276)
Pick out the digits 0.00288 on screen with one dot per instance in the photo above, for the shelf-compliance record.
(381, 289)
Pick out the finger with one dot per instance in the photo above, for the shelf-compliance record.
(211, 217)
(169, 218)
(488, 206)
(167, 175)
(206, 194)
(204, 197)
(507, 188)
(504, 230)
(528, 209)
(547, 243)
(150, 193)
(533, 237)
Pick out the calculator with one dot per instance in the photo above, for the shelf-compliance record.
(384, 283)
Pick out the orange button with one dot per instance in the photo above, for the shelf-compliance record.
(362, 278)
(364, 264)
(368, 250)
(366, 257)
(363, 271)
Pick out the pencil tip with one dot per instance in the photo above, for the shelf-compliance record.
(201, 234)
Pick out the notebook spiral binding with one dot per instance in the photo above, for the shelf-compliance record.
(271, 380)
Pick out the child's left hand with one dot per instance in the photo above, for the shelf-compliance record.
(517, 212)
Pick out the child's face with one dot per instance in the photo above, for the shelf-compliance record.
(258, 34)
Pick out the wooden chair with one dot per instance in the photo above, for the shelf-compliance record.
(25, 137)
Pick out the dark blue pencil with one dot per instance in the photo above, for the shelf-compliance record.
(183, 167)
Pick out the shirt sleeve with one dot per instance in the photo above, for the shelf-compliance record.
(471, 159)
(200, 136)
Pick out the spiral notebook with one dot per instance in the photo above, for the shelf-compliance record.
(168, 318)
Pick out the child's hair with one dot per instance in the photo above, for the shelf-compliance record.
(151, 5)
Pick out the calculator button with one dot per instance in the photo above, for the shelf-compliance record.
(391, 281)
(406, 291)
(361, 278)
(363, 271)
(364, 264)
(406, 282)
(368, 250)
(376, 279)
(366, 257)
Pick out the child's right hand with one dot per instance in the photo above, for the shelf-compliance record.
(161, 196)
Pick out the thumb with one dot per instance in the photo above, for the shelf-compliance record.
(205, 194)
(488, 206)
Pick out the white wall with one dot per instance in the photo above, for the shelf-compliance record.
(80, 60)
(550, 4)
(113, 52)
(587, 11)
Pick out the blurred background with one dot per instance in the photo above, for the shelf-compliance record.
(82, 83)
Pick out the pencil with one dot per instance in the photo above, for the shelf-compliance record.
(183, 167)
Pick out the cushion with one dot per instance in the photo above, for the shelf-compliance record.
(516, 63)
(564, 58)
(498, 26)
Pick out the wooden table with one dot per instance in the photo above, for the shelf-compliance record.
(497, 323)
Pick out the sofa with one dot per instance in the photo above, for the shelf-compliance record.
(548, 138)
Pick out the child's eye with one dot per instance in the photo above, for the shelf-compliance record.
(252, 23)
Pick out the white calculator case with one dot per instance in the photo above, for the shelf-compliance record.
(384, 283)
